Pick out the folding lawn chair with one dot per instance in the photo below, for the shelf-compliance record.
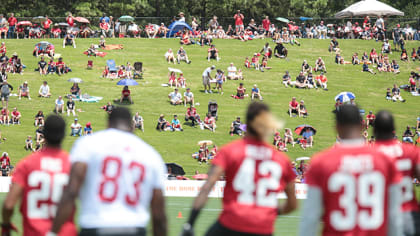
(112, 67)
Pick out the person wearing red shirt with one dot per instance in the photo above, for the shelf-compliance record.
(70, 20)
(47, 26)
(3, 48)
(293, 106)
(6, 167)
(321, 80)
(370, 119)
(266, 24)
(16, 116)
(239, 21)
(5, 116)
(213, 53)
(60, 66)
(352, 188)
(12, 24)
(407, 161)
(250, 205)
(210, 123)
(47, 172)
(105, 28)
(192, 115)
(126, 95)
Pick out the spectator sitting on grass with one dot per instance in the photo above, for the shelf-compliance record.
(308, 135)
(5, 116)
(322, 80)
(293, 107)
(264, 64)
(175, 98)
(6, 166)
(182, 56)
(301, 81)
(126, 95)
(172, 79)
(306, 68)
(396, 94)
(370, 119)
(88, 129)
(71, 107)
(169, 56)
(288, 137)
(213, 53)
(39, 137)
(333, 45)
(412, 83)
(310, 80)
(302, 111)
(404, 55)
(42, 66)
(60, 66)
(232, 72)
(188, 97)
(388, 95)
(235, 127)
(366, 68)
(320, 65)
(59, 105)
(287, 80)
(91, 51)
(76, 128)
(52, 68)
(280, 51)
(192, 115)
(240, 92)
(395, 67)
(355, 59)
(75, 91)
(210, 123)
(162, 124)
(256, 93)
(29, 144)
(181, 81)
(16, 116)
(408, 135)
(39, 119)
(69, 39)
(24, 91)
(138, 122)
(176, 124)
(267, 50)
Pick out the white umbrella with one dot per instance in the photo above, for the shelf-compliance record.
(303, 158)
(75, 80)
(174, 70)
(369, 8)
(208, 142)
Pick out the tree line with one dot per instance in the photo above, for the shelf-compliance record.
(197, 8)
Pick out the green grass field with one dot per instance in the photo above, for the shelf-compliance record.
(150, 99)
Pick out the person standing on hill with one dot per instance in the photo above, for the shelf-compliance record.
(239, 22)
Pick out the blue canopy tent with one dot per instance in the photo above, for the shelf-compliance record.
(177, 26)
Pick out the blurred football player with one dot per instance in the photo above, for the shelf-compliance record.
(255, 174)
(38, 183)
(407, 160)
(352, 188)
(117, 177)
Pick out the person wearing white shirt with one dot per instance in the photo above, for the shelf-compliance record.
(76, 128)
(207, 77)
(181, 17)
(119, 188)
(188, 97)
(44, 90)
(175, 97)
(59, 105)
(232, 72)
(169, 56)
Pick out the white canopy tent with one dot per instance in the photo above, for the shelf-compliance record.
(369, 8)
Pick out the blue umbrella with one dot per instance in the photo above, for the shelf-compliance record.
(127, 82)
(345, 97)
(302, 18)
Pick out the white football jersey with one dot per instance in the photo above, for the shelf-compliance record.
(121, 175)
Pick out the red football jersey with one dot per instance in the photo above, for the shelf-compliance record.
(255, 174)
(354, 181)
(406, 156)
(43, 176)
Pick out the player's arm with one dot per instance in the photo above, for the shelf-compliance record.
(311, 213)
(395, 223)
(199, 202)
(14, 195)
(291, 203)
(67, 202)
(160, 227)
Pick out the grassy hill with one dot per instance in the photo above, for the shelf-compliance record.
(150, 98)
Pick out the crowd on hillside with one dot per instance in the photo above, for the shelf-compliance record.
(241, 28)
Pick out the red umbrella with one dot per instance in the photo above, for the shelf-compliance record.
(200, 176)
(25, 22)
(299, 130)
(82, 20)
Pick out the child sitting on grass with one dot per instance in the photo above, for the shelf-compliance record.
(395, 67)
(29, 144)
(404, 55)
(172, 79)
(181, 81)
(366, 68)
(240, 92)
(414, 55)
(247, 63)
(255, 61)
(264, 64)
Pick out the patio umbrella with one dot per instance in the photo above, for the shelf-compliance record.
(175, 169)
(174, 70)
(303, 158)
(38, 19)
(200, 176)
(25, 23)
(300, 129)
(208, 142)
(369, 8)
(82, 20)
(127, 82)
(42, 44)
(283, 19)
(63, 24)
(75, 80)
(345, 97)
(302, 18)
(126, 18)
